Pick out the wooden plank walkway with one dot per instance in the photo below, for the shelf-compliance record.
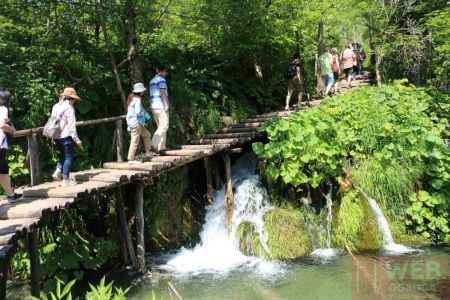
(16, 219)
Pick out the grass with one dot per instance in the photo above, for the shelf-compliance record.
(390, 186)
(350, 221)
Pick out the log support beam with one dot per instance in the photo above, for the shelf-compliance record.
(119, 140)
(33, 147)
(209, 180)
(33, 251)
(229, 197)
(140, 247)
(3, 277)
(124, 231)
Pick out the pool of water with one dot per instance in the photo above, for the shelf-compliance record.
(424, 275)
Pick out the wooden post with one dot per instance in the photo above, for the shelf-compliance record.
(124, 230)
(216, 174)
(33, 251)
(229, 197)
(209, 187)
(119, 140)
(140, 228)
(3, 276)
(33, 146)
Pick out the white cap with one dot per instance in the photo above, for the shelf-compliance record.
(139, 88)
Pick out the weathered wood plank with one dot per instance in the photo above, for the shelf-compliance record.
(82, 189)
(35, 170)
(184, 152)
(108, 175)
(170, 160)
(228, 141)
(233, 135)
(145, 166)
(248, 125)
(236, 130)
(6, 239)
(31, 207)
(16, 225)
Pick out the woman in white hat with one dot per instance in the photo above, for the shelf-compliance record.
(135, 122)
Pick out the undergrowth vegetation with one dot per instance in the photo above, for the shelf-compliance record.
(389, 141)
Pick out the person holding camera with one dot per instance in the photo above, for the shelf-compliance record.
(5, 129)
(64, 113)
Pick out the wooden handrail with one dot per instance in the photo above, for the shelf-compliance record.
(28, 132)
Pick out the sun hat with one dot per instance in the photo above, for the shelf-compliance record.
(70, 92)
(139, 88)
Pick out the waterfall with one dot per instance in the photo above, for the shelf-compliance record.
(329, 217)
(327, 252)
(217, 252)
(383, 225)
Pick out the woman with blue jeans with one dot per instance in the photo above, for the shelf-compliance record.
(64, 113)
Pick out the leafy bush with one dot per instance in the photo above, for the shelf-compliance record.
(429, 215)
(388, 136)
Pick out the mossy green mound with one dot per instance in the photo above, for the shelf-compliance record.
(287, 238)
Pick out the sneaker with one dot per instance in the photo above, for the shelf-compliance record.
(134, 162)
(151, 153)
(57, 176)
(68, 182)
(14, 198)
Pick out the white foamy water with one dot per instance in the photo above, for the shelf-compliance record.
(217, 252)
(390, 247)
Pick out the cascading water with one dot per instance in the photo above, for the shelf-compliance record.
(383, 224)
(327, 252)
(217, 252)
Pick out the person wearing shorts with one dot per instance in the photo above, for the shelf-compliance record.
(348, 58)
(5, 129)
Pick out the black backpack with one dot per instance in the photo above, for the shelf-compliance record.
(291, 71)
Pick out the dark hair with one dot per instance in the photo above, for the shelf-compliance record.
(162, 68)
(5, 96)
(131, 96)
(296, 56)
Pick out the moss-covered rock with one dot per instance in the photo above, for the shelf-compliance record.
(287, 238)
(170, 218)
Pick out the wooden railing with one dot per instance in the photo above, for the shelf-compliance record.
(33, 142)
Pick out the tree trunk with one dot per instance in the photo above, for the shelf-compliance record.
(378, 59)
(134, 67)
(111, 56)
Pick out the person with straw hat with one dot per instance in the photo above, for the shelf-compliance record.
(64, 113)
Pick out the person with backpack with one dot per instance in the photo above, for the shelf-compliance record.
(135, 122)
(159, 104)
(5, 129)
(64, 114)
(336, 69)
(294, 81)
(326, 69)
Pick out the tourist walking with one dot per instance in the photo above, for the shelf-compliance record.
(348, 58)
(135, 122)
(326, 69)
(159, 104)
(294, 81)
(336, 69)
(64, 114)
(5, 129)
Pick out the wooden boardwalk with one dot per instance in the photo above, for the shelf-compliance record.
(18, 219)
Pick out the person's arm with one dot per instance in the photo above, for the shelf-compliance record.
(164, 99)
(4, 125)
(71, 124)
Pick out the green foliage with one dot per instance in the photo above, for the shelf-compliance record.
(428, 215)
(386, 135)
(287, 238)
(67, 250)
(350, 221)
(16, 163)
(250, 241)
(59, 294)
(105, 292)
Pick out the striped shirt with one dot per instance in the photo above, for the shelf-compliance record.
(156, 84)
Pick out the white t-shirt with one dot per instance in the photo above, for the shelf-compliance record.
(67, 120)
(3, 139)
